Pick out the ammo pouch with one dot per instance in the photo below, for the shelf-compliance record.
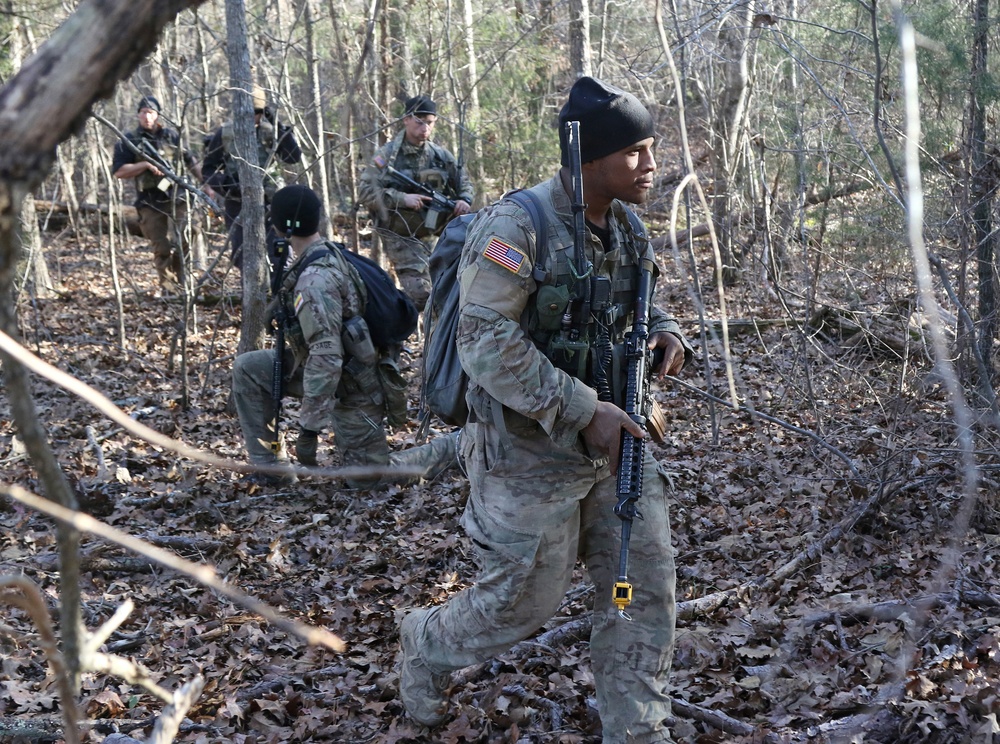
(572, 357)
(360, 357)
(358, 341)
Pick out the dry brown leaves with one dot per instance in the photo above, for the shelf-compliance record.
(790, 662)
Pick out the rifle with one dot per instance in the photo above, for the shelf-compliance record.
(570, 352)
(440, 204)
(638, 358)
(168, 172)
(280, 317)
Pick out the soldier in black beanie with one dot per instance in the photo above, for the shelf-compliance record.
(542, 445)
(143, 155)
(610, 119)
(404, 216)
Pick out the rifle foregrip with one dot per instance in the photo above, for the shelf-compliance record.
(629, 483)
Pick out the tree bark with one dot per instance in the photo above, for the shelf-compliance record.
(579, 38)
(984, 184)
(251, 184)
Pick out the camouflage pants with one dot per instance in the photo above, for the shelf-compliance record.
(532, 511)
(164, 225)
(356, 422)
(409, 258)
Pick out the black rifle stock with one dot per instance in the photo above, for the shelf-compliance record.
(633, 449)
(278, 363)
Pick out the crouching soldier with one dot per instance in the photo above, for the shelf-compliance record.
(330, 361)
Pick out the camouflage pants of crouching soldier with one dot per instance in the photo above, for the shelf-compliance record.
(533, 509)
(356, 421)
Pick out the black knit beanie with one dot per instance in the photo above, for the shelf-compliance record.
(296, 207)
(610, 119)
(148, 102)
(420, 105)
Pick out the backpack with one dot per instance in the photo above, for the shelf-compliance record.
(444, 381)
(390, 314)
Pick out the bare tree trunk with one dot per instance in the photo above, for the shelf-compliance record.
(251, 184)
(984, 183)
(579, 38)
(33, 271)
(473, 117)
(726, 126)
(317, 103)
(397, 48)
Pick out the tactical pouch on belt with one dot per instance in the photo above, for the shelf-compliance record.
(572, 357)
(360, 356)
(358, 341)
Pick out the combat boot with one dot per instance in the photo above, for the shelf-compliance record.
(422, 691)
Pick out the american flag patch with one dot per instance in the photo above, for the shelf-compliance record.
(299, 302)
(504, 254)
(380, 161)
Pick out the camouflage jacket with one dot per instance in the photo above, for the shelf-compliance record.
(507, 320)
(317, 302)
(428, 164)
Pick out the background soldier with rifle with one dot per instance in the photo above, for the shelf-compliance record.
(160, 203)
(544, 346)
(326, 357)
(412, 188)
(276, 144)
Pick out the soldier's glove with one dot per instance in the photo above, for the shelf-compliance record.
(306, 447)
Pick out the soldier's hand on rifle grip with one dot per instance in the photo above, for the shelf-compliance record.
(604, 432)
(668, 354)
(462, 207)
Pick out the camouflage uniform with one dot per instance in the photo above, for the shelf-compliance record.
(162, 212)
(334, 372)
(538, 500)
(408, 240)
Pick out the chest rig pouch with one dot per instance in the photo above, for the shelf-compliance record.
(580, 337)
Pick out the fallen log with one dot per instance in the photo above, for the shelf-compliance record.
(55, 215)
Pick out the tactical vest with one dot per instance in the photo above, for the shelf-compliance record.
(437, 174)
(588, 350)
(163, 147)
(266, 148)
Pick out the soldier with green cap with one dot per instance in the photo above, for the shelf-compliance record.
(541, 445)
(160, 202)
(400, 211)
(330, 362)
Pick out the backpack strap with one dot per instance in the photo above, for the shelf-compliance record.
(531, 204)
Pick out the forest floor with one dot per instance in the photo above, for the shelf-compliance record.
(829, 587)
